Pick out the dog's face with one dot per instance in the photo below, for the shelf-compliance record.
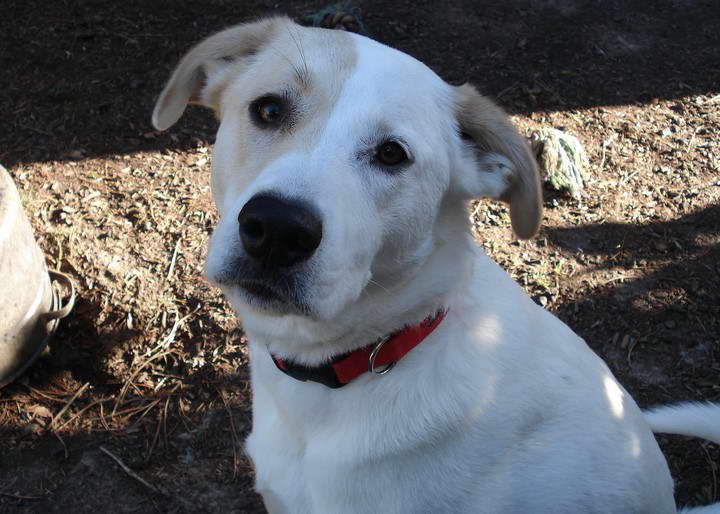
(333, 162)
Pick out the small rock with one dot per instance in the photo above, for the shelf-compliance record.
(561, 159)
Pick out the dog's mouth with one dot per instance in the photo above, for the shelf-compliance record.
(268, 291)
(265, 297)
(261, 291)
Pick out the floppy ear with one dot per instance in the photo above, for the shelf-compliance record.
(505, 168)
(202, 72)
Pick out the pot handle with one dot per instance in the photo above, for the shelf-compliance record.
(60, 311)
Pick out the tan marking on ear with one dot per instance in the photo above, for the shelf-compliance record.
(489, 127)
(204, 65)
(311, 66)
(330, 57)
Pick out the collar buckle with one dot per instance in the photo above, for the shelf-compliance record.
(373, 356)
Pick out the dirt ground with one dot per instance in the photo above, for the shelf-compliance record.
(155, 353)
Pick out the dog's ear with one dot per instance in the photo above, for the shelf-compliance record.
(202, 72)
(505, 168)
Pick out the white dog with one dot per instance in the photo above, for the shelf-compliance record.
(341, 173)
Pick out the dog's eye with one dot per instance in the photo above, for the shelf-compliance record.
(391, 153)
(267, 110)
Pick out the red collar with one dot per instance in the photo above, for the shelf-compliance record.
(346, 368)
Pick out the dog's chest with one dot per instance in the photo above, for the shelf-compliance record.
(301, 470)
(293, 451)
(318, 450)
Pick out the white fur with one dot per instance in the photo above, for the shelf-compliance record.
(692, 419)
(502, 409)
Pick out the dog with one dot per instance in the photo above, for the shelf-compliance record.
(395, 368)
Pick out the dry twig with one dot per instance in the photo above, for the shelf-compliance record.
(174, 258)
(129, 471)
(235, 439)
(68, 404)
(81, 411)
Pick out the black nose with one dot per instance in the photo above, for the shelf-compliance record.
(278, 232)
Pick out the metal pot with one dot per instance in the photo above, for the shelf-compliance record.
(30, 302)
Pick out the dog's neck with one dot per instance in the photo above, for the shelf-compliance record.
(379, 311)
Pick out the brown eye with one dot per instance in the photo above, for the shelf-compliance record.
(391, 153)
(267, 110)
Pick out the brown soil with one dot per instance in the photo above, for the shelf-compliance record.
(632, 267)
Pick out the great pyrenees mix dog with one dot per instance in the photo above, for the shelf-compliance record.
(395, 368)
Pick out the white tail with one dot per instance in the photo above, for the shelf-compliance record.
(692, 419)
(708, 509)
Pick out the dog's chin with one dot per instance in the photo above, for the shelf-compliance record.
(256, 296)
(261, 301)
(271, 294)
(249, 288)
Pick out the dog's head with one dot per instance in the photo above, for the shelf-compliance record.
(335, 160)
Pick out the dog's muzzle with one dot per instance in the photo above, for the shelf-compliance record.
(278, 233)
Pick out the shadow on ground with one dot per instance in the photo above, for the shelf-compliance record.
(78, 472)
(665, 296)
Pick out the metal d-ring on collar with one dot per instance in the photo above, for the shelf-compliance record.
(373, 356)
